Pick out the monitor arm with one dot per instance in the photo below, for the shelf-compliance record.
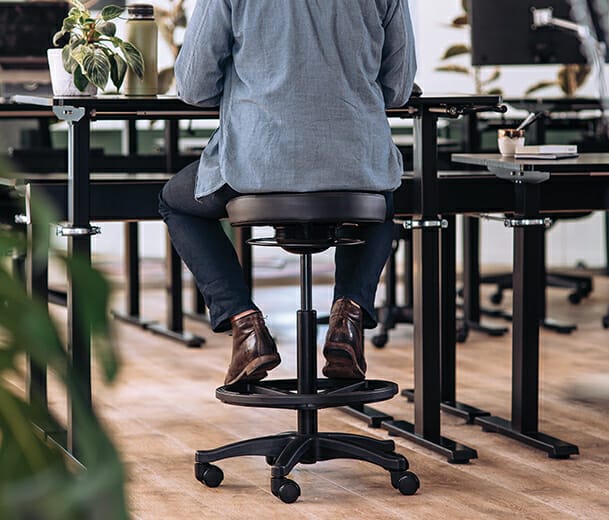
(594, 50)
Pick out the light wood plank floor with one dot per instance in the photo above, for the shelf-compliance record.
(163, 408)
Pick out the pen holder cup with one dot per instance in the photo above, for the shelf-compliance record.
(509, 139)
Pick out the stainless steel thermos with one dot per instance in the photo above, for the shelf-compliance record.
(143, 33)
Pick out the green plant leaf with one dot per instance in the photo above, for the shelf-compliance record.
(96, 66)
(133, 57)
(540, 86)
(493, 77)
(67, 57)
(118, 69)
(80, 80)
(58, 36)
(455, 50)
(111, 11)
(453, 68)
(36, 479)
(460, 22)
(78, 5)
(107, 28)
(495, 92)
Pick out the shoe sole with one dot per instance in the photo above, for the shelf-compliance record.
(257, 369)
(341, 364)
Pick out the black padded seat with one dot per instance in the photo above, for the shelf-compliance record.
(322, 207)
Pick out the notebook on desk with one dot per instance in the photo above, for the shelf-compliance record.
(545, 155)
(548, 151)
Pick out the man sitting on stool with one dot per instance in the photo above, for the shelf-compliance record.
(302, 88)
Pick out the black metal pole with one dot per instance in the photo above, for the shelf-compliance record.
(307, 346)
(79, 245)
(448, 321)
(426, 285)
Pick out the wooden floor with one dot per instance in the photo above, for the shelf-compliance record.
(163, 408)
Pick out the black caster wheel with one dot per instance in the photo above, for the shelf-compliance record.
(208, 474)
(575, 298)
(270, 460)
(285, 489)
(462, 334)
(606, 322)
(380, 340)
(496, 298)
(406, 482)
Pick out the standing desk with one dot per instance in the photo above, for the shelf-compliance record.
(537, 186)
(420, 200)
(472, 144)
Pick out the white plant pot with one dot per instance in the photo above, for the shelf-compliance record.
(61, 80)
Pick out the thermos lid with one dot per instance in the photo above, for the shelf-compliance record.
(140, 11)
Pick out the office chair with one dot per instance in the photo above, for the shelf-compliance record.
(391, 312)
(306, 223)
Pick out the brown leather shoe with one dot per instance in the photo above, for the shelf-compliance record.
(344, 347)
(254, 350)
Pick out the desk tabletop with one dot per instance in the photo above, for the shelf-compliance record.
(450, 104)
(591, 163)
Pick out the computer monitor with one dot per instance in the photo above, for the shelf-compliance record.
(503, 34)
(26, 32)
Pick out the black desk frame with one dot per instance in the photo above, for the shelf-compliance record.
(528, 283)
(433, 288)
(428, 293)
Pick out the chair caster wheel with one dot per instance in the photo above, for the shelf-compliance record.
(496, 298)
(380, 340)
(575, 298)
(208, 474)
(406, 482)
(606, 322)
(270, 460)
(462, 334)
(285, 489)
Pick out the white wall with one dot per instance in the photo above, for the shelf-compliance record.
(568, 243)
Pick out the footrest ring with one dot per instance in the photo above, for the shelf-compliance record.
(282, 393)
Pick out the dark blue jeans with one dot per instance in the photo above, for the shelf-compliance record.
(198, 237)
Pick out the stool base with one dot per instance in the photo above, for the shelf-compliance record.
(283, 451)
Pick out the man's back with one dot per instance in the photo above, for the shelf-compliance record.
(302, 85)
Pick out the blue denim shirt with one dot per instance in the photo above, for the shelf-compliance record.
(302, 87)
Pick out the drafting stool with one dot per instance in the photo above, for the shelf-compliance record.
(306, 223)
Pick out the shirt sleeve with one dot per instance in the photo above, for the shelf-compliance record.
(399, 63)
(201, 63)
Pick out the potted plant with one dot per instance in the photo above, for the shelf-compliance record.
(37, 480)
(93, 53)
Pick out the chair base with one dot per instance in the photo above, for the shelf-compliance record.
(283, 451)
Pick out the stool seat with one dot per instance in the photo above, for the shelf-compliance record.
(321, 207)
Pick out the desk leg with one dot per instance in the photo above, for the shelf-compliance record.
(132, 275)
(36, 277)
(528, 283)
(427, 372)
(471, 283)
(175, 318)
(426, 292)
(448, 325)
(79, 246)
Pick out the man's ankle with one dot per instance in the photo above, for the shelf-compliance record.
(242, 315)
